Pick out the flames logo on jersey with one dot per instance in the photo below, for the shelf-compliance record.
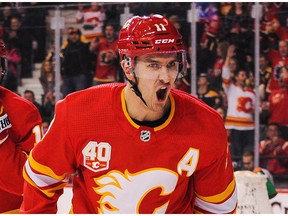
(244, 104)
(124, 192)
(277, 98)
(107, 57)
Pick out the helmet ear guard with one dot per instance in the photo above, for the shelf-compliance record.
(128, 62)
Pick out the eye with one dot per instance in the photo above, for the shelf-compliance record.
(172, 65)
(154, 66)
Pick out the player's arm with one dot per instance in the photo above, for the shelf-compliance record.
(215, 187)
(15, 149)
(47, 169)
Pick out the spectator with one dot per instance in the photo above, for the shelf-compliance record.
(278, 59)
(205, 93)
(237, 25)
(240, 111)
(248, 164)
(75, 64)
(30, 96)
(45, 124)
(276, 106)
(216, 69)
(265, 74)
(50, 55)
(92, 19)
(274, 145)
(233, 65)
(70, 37)
(13, 56)
(47, 77)
(221, 112)
(48, 105)
(24, 43)
(107, 64)
(273, 22)
(211, 21)
(33, 18)
(5, 17)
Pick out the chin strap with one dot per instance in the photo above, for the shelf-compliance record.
(134, 85)
(135, 88)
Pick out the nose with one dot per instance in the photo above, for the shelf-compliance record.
(164, 75)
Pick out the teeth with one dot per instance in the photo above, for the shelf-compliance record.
(163, 88)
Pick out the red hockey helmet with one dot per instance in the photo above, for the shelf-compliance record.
(3, 60)
(147, 35)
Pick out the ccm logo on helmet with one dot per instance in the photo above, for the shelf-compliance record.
(164, 41)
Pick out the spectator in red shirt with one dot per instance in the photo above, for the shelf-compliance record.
(274, 145)
(278, 102)
(278, 58)
(106, 50)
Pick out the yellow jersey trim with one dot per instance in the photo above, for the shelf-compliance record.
(172, 111)
(219, 197)
(44, 169)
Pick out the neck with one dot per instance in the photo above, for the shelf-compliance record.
(110, 40)
(202, 89)
(240, 84)
(138, 110)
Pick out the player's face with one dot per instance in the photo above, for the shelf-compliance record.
(156, 74)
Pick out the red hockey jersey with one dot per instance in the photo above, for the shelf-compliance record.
(24, 133)
(107, 61)
(278, 100)
(181, 166)
(275, 59)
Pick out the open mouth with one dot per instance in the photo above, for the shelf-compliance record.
(161, 93)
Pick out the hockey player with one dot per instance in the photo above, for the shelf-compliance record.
(20, 130)
(140, 147)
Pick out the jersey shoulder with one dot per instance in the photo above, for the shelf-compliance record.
(22, 114)
(93, 99)
(191, 105)
(15, 105)
(196, 117)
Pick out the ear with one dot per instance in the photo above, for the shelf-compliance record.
(127, 69)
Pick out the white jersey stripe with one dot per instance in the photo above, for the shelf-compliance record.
(41, 180)
(225, 207)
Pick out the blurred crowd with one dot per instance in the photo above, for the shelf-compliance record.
(225, 63)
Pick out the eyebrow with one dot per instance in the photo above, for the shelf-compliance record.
(153, 60)
(150, 60)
